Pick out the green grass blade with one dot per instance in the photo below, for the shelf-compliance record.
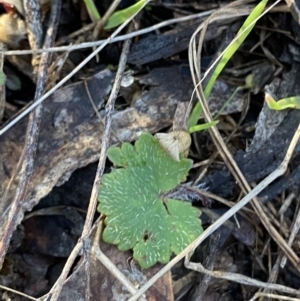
(92, 9)
(201, 127)
(118, 17)
(121, 16)
(242, 35)
(194, 116)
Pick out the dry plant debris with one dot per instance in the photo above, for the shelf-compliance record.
(254, 254)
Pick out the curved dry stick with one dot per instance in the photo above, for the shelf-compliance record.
(242, 279)
(118, 38)
(273, 296)
(2, 85)
(5, 288)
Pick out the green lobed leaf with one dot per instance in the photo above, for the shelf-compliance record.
(138, 216)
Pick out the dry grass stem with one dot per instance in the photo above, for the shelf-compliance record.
(2, 86)
(27, 158)
(113, 39)
(5, 288)
(240, 279)
(277, 297)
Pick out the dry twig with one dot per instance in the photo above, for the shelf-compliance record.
(5, 288)
(239, 278)
(16, 210)
(34, 29)
(2, 86)
(278, 297)
(113, 39)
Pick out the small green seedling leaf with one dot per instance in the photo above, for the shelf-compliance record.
(121, 16)
(139, 215)
(282, 104)
(242, 35)
(202, 127)
(248, 81)
(116, 18)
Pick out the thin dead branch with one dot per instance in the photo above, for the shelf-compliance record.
(113, 39)
(273, 296)
(5, 288)
(294, 232)
(15, 213)
(34, 29)
(2, 86)
(240, 279)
